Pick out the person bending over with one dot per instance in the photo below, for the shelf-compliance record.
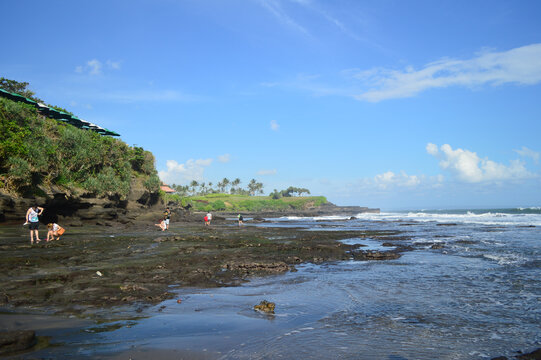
(53, 230)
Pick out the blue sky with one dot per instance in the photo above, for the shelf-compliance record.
(391, 104)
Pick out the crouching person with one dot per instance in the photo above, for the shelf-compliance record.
(54, 230)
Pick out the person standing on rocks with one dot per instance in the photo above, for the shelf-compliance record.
(166, 218)
(32, 218)
(241, 219)
(208, 218)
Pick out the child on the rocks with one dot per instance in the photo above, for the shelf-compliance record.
(53, 230)
(162, 225)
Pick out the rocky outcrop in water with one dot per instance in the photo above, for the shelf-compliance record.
(375, 255)
(266, 307)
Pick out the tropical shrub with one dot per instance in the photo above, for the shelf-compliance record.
(35, 151)
(218, 205)
(152, 184)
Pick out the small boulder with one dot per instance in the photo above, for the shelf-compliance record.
(266, 307)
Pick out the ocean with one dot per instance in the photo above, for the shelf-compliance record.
(469, 289)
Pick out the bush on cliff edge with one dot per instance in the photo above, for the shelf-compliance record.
(36, 151)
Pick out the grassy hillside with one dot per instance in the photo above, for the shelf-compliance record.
(234, 203)
(37, 152)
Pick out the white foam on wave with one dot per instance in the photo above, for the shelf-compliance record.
(468, 217)
(507, 259)
(313, 218)
(487, 218)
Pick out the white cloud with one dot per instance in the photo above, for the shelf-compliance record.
(225, 158)
(95, 67)
(467, 166)
(267, 172)
(182, 173)
(432, 149)
(390, 179)
(525, 152)
(521, 65)
(274, 125)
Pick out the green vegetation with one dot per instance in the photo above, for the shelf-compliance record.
(289, 192)
(224, 186)
(230, 196)
(20, 88)
(234, 203)
(38, 152)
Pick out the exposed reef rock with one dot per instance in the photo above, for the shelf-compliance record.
(256, 267)
(375, 255)
(266, 307)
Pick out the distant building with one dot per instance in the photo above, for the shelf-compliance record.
(165, 188)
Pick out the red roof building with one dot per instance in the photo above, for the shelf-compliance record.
(167, 189)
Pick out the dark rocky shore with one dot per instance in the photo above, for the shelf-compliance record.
(137, 262)
(95, 267)
(134, 265)
(99, 266)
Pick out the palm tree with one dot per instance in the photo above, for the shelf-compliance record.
(193, 185)
(252, 187)
(202, 188)
(225, 182)
(259, 188)
(234, 185)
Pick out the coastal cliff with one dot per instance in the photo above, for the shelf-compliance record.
(75, 207)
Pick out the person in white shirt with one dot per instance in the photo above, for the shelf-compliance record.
(32, 219)
(54, 230)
